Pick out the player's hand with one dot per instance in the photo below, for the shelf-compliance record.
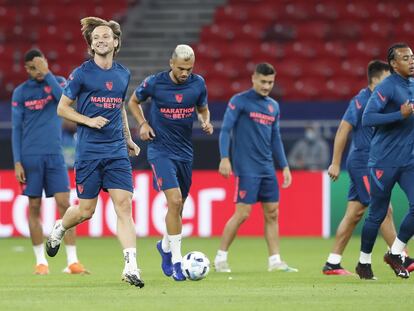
(225, 167)
(207, 127)
(333, 171)
(97, 122)
(41, 64)
(133, 149)
(19, 172)
(287, 178)
(146, 132)
(406, 109)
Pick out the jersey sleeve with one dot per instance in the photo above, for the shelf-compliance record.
(17, 124)
(354, 112)
(126, 89)
(202, 99)
(374, 112)
(146, 88)
(74, 84)
(233, 110)
(277, 144)
(56, 85)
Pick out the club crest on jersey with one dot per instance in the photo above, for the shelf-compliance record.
(47, 89)
(109, 85)
(270, 107)
(379, 173)
(242, 194)
(179, 98)
(80, 188)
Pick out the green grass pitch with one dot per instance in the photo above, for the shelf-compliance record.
(248, 287)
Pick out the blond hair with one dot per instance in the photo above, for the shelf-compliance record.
(184, 52)
(91, 22)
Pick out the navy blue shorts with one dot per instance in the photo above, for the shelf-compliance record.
(250, 190)
(168, 174)
(94, 175)
(359, 187)
(46, 172)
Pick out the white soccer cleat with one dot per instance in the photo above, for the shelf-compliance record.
(54, 239)
(222, 266)
(282, 267)
(133, 278)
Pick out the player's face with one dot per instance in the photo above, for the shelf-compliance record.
(103, 42)
(403, 62)
(262, 84)
(181, 69)
(33, 72)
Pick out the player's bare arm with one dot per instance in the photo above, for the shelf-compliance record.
(287, 177)
(133, 149)
(225, 167)
(341, 139)
(145, 130)
(65, 110)
(204, 118)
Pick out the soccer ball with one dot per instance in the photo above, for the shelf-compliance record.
(195, 266)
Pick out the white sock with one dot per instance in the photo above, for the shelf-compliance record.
(175, 247)
(365, 258)
(71, 255)
(59, 231)
(165, 244)
(39, 251)
(221, 256)
(130, 257)
(334, 259)
(274, 259)
(397, 247)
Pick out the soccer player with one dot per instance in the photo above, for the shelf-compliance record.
(37, 151)
(252, 117)
(177, 96)
(357, 165)
(391, 160)
(99, 86)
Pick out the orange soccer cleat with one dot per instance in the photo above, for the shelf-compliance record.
(41, 269)
(76, 268)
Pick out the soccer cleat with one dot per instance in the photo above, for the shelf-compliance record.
(222, 266)
(364, 271)
(133, 278)
(409, 264)
(331, 269)
(281, 266)
(76, 268)
(396, 264)
(178, 272)
(41, 269)
(54, 240)
(166, 263)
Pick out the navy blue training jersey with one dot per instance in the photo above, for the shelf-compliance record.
(173, 111)
(393, 138)
(253, 121)
(361, 135)
(99, 92)
(37, 129)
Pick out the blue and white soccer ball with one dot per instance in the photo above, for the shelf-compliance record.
(195, 266)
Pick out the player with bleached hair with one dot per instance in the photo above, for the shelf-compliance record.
(99, 87)
(177, 96)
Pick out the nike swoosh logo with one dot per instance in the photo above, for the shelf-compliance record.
(231, 106)
(358, 105)
(380, 96)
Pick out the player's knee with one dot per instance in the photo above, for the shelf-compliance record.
(242, 215)
(124, 206)
(389, 213)
(34, 210)
(175, 203)
(86, 212)
(272, 215)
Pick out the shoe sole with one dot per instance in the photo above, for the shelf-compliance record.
(51, 251)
